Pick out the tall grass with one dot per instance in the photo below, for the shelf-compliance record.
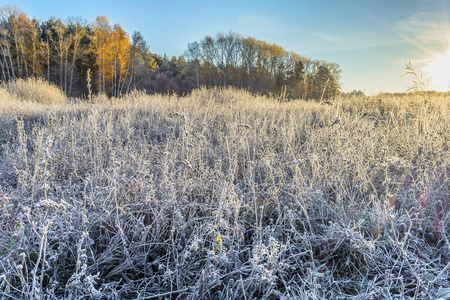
(35, 90)
(225, 195)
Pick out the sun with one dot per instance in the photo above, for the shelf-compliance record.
(439, 71)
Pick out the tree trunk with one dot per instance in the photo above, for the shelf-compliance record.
(61, 59)
(131, 76)
(65, 70)
(75, 51)
(48, 63)
(3, 72)
(71, 71)
(114, 87)
(10, 60)
(7, 68)
(24, 60)
(34, 55)
(198, 84)
(124, 80)
(19, 70)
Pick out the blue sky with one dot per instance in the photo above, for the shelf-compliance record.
(371, 40)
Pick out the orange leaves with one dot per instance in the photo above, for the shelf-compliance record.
(121, 48)
(112, 49)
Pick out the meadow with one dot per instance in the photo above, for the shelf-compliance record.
(222, 194)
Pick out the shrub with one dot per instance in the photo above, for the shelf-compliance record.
(35, 90)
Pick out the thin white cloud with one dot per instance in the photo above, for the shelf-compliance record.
(425, 26)
(326, 37)
(428, 31)
(352, 42)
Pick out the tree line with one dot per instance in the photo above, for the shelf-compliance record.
(66, 52)
(261, 67)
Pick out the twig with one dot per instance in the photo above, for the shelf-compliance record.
(164, 294)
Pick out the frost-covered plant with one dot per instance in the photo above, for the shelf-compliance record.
(226, 195)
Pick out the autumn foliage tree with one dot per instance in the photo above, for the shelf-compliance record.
(62, 52)
(112, 57)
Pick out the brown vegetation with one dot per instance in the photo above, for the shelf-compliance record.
(225, 195)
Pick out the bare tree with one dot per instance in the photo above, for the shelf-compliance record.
(77, 29)
(194, 54)
(61, 44)
(6, 52)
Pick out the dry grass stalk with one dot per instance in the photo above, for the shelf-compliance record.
(225, 195)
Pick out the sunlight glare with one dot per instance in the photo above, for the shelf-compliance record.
(439, 70)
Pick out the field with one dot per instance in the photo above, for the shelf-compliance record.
(224, 195)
